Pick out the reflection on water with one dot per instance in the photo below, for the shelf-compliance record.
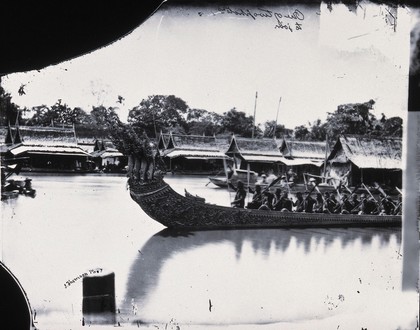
(262, 276)
(273, 278)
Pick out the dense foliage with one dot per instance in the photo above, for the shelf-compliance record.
(168, 113)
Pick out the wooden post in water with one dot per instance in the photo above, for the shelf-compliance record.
(99, 299)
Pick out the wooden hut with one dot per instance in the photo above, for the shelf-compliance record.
(367, 159)
(193, 154)
(46, 148)
(303, 156)
(258, 155)
(107, 157)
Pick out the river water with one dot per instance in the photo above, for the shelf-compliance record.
(236, 279)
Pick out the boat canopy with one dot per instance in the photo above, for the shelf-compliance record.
(301, 161)
(196, 154)
(262, 158)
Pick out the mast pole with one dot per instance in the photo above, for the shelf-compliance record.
(255, 109)
(325, 160)
(277, 117)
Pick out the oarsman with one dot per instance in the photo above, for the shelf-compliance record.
(387, 206)
(367, 205)
(329, 203)
(277, 200)
(257, 198)
(267, 204)
(334, 203)
(355, 203)
(283, 204)
(398, 208)
(309, 202)
(299, 203)
(240, 196)
(319, 204)
(346, 205)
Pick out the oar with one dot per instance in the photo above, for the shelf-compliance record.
(272, 183)
(378, 204)
(313, 188)
(379, 188)
(356, 207)
(348, 189)
(287, 182)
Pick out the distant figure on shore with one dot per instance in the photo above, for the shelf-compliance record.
(291, 176)
(263, 180)
(229, 172)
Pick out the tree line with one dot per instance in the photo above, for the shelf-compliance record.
(168, 113)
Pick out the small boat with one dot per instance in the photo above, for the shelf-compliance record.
(5, 195)
(160, 202)
(247, 177)
(218, 181)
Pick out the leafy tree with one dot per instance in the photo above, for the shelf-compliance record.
(301, 133)
(201, 121)
(280, 130)
(101, 116)
(318, 131)
(353, 118)
(43, 116)
(159, 113)
(58, 114)
(9, 111)
(239, 123)
(393, 127)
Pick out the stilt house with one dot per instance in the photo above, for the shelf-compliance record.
(367, 160)
(303, 156)
(258, 155)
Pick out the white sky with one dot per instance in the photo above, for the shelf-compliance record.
(218, 61)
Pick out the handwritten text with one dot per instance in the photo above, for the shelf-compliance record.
(290, 21)
(79, 277)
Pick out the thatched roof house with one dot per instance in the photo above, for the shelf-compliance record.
(195, 146)
(52, 147)
(368, 152)
(259, 155)
(368, 158)
(304, 152)
(193, 153)
(254, 150)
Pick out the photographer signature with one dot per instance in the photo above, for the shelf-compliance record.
(292, 21)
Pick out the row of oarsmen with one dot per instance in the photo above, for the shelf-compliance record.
(327, 203)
